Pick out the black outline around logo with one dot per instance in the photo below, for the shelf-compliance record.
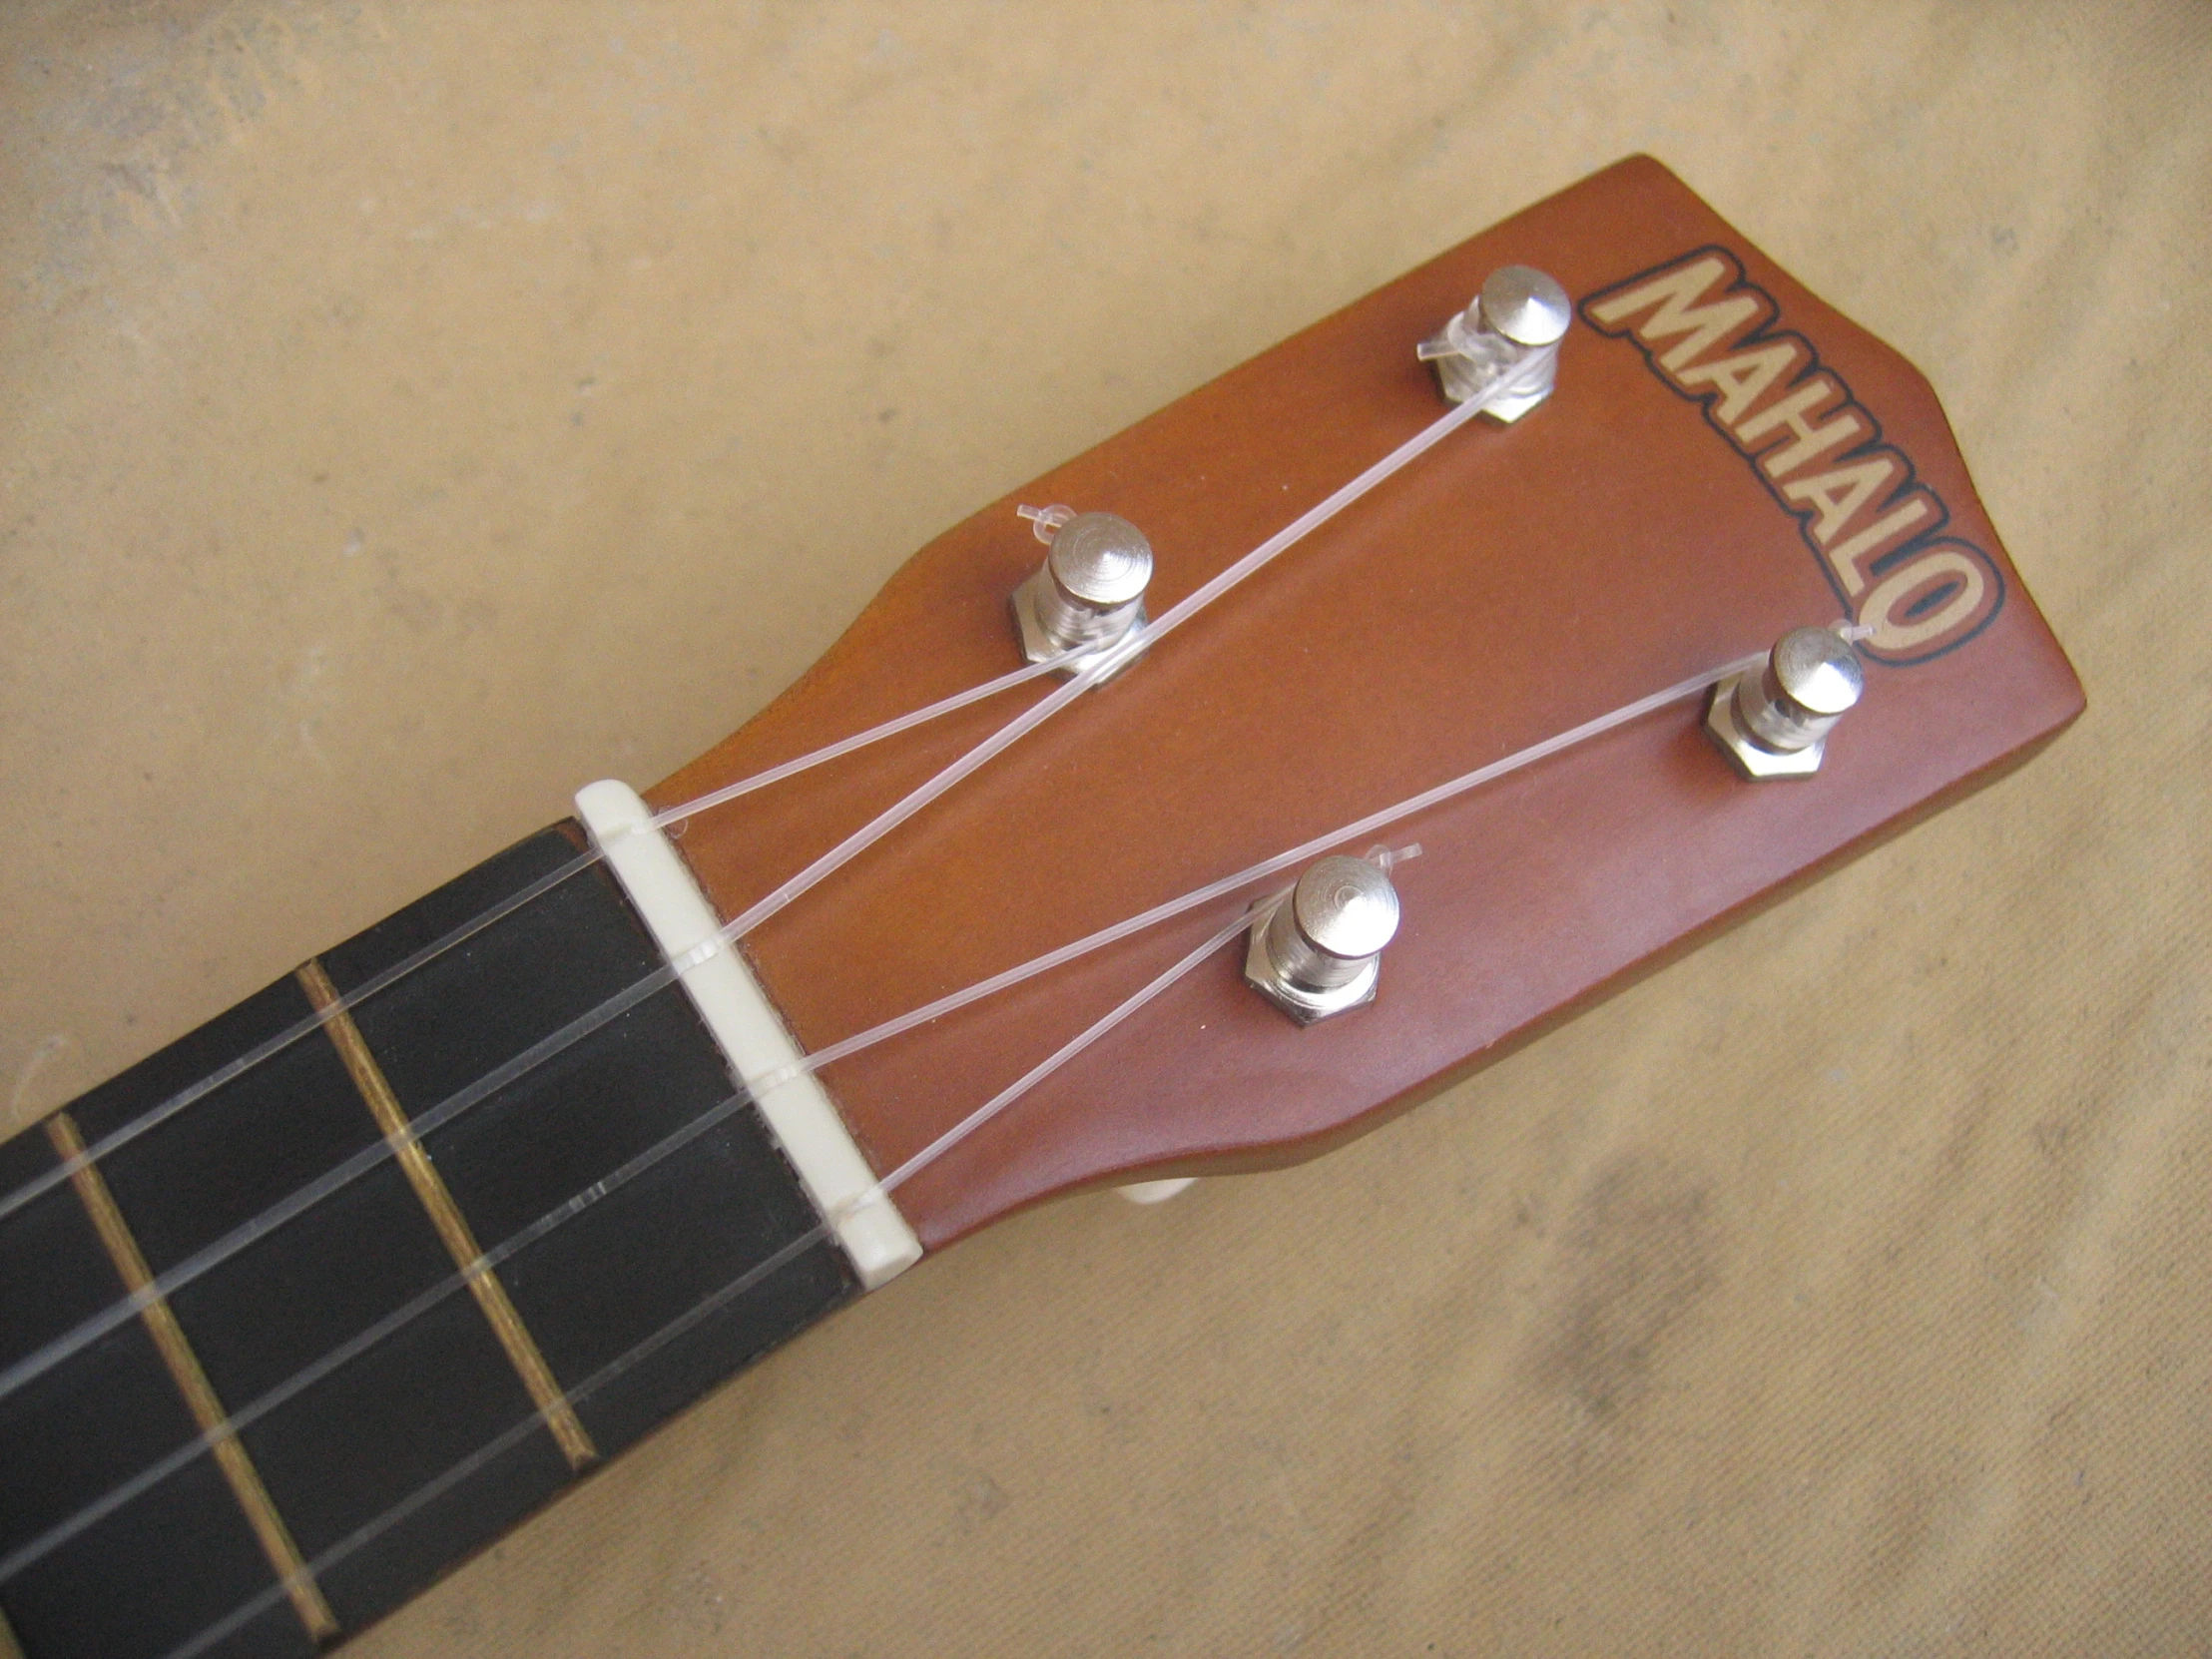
(1763, 333)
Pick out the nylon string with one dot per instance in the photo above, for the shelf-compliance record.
(54, 1176)
(471, 1096)
(169, 1107)
(1113, 657)
(369, 1157)
(90, 1514)
(628, 1360)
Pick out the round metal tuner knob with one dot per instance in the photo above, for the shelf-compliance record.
(1319, 951)
(1344, 908)
(1089, 592)
(1525, 305)
(1100, 561)
(1775, 723)
(1815, 675)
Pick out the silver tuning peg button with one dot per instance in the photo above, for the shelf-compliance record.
(1774, 723)
(1089, 593)
(1520, 312)
(1319, 950)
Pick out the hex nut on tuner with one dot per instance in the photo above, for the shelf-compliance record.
(1318, 949)
(1775, 723)
(1089, 592)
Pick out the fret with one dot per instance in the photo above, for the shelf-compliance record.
(312, 1463)
(123, 1585)
(606, 1280)
(339, 1451)
(658, 1247)
(192, 1383)
(452, 1227)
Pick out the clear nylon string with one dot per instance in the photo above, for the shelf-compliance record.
(122, 1494)
(1044, 1068)
(928, 1155)
(333, 1179)
(351, 1169)
(54, 1176)
(1228, 884)
(430, 1491)
(1105, 662)
(1096, 668)
(97, 1510)
(49, 1179)
(861, 740)
(167, 1108)
(515, 1433)
(404, 1314)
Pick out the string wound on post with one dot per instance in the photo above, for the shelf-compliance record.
(1386, 858)
(1046, 521)
(1519, 314)
(1087, 597)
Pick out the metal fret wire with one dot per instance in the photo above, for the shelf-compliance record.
(245, 1233)
(938, 1148)
(333, 1179)
(406, 1314)
(513, 1435)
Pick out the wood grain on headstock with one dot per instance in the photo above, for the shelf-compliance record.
(1514, 582)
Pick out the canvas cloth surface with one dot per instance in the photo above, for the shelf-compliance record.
(410, 413)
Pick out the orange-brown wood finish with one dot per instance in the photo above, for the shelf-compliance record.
(1512, 583)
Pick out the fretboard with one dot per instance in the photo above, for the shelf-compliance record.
(277, 1356)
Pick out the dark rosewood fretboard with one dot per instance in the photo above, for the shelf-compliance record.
(470, 1355)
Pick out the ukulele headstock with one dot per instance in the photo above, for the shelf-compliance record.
(1725, 458)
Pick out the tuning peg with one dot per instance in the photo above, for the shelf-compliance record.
(1519, 310)
(1089, 592)
(1318, 950)
(1774, 723)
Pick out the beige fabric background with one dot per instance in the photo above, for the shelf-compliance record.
(410, 412)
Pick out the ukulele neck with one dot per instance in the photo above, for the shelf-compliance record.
(388, 1369)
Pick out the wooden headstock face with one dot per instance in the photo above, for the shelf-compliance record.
(1648, 523)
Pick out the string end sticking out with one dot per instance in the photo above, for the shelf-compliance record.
(1046, 521)
(1385, 859)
